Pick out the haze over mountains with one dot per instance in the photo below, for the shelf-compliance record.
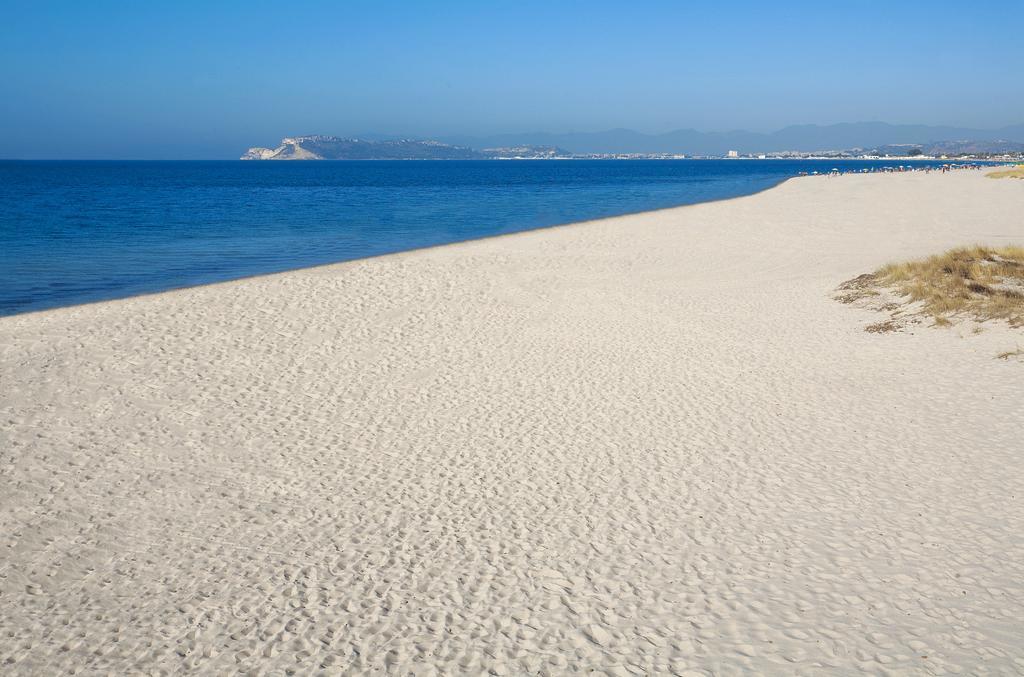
(800, 138)
(795, 137)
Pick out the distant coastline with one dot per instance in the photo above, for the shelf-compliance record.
(865, 140)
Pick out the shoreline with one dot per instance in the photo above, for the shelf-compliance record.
(653, 444)
(402, 251)
(777, 184)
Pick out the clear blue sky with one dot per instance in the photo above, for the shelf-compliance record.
(208, 79)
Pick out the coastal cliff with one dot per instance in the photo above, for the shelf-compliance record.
(337, 148)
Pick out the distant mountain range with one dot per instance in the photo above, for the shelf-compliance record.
(796, 138)
(803, 138)
(952, 148)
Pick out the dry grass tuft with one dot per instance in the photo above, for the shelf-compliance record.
(1010, 353)
(857, 288)
(982, 283)
(1014, 173)
(882, 327)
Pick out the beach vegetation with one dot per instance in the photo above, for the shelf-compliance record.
(1012, 173)
(978, 283)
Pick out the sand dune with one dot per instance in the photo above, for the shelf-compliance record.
(647, 444)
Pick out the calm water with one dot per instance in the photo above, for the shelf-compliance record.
(72, 232)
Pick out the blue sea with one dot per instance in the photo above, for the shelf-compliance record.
(75, 232)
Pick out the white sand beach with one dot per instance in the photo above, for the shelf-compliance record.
(651, 444)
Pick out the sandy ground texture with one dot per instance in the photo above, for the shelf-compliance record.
(647, 444)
